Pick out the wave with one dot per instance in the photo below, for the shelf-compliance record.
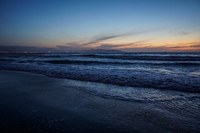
(123, 56)
(7, 60)
(146, 57)
(135, 94)
(160, 71)
(85, 62)
(93, 62)
(119, 77)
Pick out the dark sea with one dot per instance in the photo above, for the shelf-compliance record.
(163, 71)
(171, 81)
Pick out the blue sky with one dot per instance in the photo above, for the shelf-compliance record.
(129, 25)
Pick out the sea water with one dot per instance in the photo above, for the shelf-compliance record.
(164, 71)
(168, 82)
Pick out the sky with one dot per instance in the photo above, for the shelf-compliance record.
(73, 25)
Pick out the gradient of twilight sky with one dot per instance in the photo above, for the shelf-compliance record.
(128, 25)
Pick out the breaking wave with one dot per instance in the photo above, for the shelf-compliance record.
(180, 72)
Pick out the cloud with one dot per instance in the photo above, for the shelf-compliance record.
(71, 44)
(178, 47)
(180, 32)
(14, 49)
(25, 49)
(63, 47)
(100, 39)
(69, 48)
(146, 49)
(107, 46)
(197, 45)
(107, 37)
(183, 33)
(186, 45)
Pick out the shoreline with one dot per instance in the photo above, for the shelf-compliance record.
(37, 103)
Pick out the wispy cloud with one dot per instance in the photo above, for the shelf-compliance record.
(110, 46)
(102, 38)
(186, 45)
(71, 44)
(180, 32)
(14, 49)
(146, 49)
(71, 48)
(197, 45)
(25, 49)
(99, 41)
(178, 47)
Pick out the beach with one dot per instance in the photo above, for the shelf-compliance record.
(37, 103)
(99, 66)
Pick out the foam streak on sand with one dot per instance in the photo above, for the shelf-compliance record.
(37, 103)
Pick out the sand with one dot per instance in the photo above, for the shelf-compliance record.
(37, 103)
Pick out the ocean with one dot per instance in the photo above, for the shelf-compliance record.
(163, 71)
(125, 76)
(169, 83)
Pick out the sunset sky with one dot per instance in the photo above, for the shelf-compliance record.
(128, 25)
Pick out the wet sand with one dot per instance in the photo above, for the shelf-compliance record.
(37, 103)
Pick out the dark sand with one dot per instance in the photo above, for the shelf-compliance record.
(37, 103)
